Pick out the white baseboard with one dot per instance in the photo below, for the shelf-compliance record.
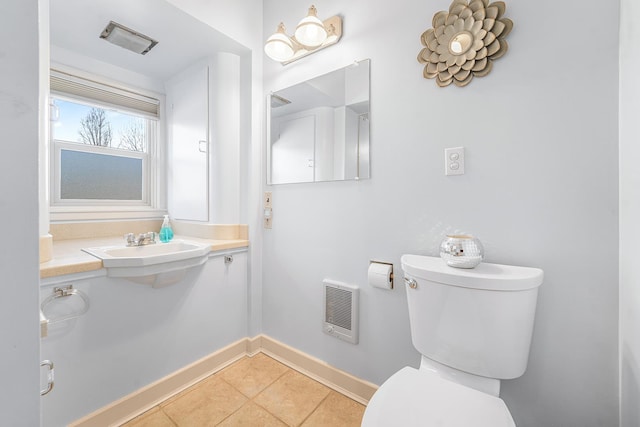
(343, 382)
(134, 404)
(142, 400)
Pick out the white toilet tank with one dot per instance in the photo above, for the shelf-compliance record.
(475, 320)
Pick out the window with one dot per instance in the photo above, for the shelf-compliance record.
(104, 145)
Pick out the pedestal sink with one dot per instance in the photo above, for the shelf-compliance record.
(158, 265)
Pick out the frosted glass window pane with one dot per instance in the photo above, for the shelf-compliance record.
(99, 176)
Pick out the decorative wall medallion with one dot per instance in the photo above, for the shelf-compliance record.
(464, 41)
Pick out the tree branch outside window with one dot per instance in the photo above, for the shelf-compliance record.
(132, 136)
(95, 129)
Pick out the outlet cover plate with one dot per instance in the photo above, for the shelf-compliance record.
(454, 161)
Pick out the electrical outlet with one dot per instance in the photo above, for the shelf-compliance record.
(267, 199)
(268, 217)
(454, 161)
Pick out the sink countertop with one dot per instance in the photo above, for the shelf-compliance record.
(68, 257)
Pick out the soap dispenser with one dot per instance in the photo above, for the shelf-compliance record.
(166, 232)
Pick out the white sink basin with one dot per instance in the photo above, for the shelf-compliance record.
(157, 264)
(134, 256)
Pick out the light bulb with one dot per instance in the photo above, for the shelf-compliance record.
(310, 31)
(278, 46)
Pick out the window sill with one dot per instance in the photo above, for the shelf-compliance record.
(60, 214)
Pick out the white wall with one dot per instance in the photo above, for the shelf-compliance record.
(43, 160)
(19, 121)
(629, 214)
(133, 335)
(541, 187)
(61, 58)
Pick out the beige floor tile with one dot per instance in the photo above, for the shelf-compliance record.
(251, 375)
(336, 410)
(152, 418)
(186, 390)
(292, 397)
(221, 399)
(251, 415)
(206, 405)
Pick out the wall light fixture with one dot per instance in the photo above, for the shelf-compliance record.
(310, 36)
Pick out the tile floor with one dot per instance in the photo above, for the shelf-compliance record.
(256, 391)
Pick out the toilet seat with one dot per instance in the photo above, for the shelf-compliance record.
(412, 398)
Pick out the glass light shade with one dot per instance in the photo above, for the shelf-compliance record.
(310, 31)
(127, 38)
(279, 47)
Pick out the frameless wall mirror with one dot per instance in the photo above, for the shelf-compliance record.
(319, 129)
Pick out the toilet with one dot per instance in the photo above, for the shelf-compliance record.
(473, 328)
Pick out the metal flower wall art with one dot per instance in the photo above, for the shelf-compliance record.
(464, 41)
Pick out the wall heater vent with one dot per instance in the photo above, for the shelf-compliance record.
(341, 310)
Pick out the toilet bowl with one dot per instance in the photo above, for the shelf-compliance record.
(473, 329)
(413, 397)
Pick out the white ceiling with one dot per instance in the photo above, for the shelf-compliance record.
(182, 39)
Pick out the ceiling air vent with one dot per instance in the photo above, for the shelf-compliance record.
(127, 38)
(278, 101)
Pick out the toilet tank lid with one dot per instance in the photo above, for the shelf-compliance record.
(485, 276)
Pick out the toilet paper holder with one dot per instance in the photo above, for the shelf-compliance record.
(380, 274)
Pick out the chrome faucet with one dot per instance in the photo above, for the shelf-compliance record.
(142, 239)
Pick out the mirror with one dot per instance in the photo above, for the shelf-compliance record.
(318, 130)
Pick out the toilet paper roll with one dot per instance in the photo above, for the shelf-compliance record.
(380, 275)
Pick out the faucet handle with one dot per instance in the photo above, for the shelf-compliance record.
(130, 238)
(151, 235)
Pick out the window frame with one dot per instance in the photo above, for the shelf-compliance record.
(153, 203)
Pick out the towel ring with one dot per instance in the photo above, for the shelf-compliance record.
(67, 291)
